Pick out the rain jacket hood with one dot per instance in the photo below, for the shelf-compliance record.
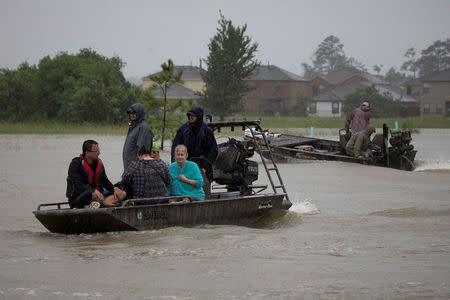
(197, 111)
(140, 112)
(139, 134)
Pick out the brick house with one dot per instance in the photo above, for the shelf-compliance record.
(434, 92)
(275, 90)
(328, 97)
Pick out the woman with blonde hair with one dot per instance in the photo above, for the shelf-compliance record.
(186, 177)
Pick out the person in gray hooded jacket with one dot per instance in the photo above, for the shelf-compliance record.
(139, 134)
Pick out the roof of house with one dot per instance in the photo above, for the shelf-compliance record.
(338, 76)
(271, 72)
(443, 75)
(176, 90)
(338, 93)
(189, 72)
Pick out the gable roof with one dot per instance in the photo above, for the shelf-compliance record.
(338, 76)
(176, 90)
(443, 75)
(338, 93)
(189, 72)
(271, 72)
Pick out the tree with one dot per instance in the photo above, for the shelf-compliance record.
(435, 58)
(164, 80)
(382, 105)
(330, 56)
(411, 64)
(393, 76)
(300, 108)
(377, 68)
(231, 59)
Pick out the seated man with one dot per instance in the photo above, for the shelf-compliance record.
(360, 144)
(186, 177)
(146, 177)
(87, 181)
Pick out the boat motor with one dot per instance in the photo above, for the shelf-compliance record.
(233, 168)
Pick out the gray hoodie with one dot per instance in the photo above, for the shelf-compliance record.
(139, 134)
(360, 142)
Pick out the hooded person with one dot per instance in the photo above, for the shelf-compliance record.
(139, 134)
(360, 144)
(359, 118)
(199, 140)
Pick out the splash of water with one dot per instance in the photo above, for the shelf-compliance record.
(428, 165)
(305, 207)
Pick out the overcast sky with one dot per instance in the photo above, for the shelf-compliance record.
(145, 34)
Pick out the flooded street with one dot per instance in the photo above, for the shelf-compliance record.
(353, 232)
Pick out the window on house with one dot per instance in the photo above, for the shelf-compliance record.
(408, 90)
(313, 108)
(321, 88)
(426, 108)
(335, 108)
(439, 108)
(315, 90)
(426, 88)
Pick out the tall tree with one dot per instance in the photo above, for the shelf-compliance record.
(164, 80)
(411, 64)
(435, 58)
(330, 56)
(231, 59)
(394, 77)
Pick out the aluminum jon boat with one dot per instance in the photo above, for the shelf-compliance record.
(235, 199)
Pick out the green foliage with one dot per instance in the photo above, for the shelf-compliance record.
(435, 57)
(163, 80)
(330, 56)
(300, 108)
(86, 87)
(381, 105)
(231, 59)
(393, 76)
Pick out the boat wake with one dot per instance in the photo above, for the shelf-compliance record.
(427, 165)
(304, 207)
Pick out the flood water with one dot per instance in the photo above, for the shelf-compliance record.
(354, 232)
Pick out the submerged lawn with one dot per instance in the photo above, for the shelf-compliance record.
(51, 127)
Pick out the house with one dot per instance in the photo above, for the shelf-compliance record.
(192, 83)
(275, 91)
(434, 92)
(327, 98)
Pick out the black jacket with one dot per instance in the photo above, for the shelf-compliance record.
(199, 141)
(78, 182)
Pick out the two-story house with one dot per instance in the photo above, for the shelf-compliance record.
(435, 93)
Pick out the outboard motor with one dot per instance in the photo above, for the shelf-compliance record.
(233, 168)
(401, 152)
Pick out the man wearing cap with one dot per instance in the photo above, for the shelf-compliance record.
(359, 118)
(200, 143)
(139, 134)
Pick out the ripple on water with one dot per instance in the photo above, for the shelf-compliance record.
(409, 212)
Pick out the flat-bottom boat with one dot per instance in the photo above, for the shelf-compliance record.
(237, 202)
(400, 154)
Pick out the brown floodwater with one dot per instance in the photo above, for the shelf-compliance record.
(354, 232)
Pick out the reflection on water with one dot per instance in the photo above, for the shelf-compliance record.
(353, 231)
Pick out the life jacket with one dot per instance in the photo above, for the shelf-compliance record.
(93, 178)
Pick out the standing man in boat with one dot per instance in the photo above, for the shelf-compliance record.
(87, 181)
(359, 119)
(200, 143)
(139, 134)
(360, 144)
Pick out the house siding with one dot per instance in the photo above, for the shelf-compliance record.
(439, 93)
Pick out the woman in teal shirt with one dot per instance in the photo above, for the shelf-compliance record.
(186, 177)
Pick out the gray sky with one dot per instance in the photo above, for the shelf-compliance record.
(146, 33)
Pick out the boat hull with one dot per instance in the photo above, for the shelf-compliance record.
(243, 210)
